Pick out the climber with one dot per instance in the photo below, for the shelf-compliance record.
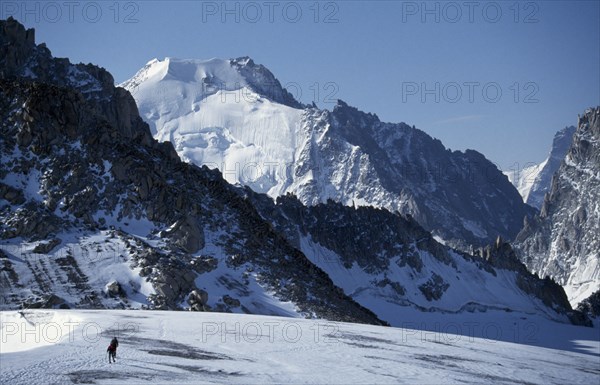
(112, 349)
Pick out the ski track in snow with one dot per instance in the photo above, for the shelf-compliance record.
(185, 347)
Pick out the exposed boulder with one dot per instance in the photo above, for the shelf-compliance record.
(46, 247)
(434, 288)
(230, 301)
(11, 194)
(204, 264)
(114, 289)
(172, 282)
(198, 300)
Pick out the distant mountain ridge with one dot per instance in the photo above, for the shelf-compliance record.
(258, 137)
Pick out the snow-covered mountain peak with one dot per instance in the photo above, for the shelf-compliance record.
(242, 76)
(213, 71)
(258, 135)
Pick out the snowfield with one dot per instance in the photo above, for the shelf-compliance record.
(66, 346)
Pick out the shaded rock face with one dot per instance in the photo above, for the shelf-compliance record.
(591, 305)
(187, 233)
(46, 247)
(501, 255)
(16, 46)
(114, 289)
(263, 82)
(78, 162)
(562, 242)
(460, 196)
(366, 236)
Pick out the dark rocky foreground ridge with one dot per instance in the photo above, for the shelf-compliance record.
(95, 158)
(79, 167)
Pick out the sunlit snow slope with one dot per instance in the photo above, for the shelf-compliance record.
(213, 117)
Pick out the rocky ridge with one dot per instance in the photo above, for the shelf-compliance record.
(562, 242)
(375, 255)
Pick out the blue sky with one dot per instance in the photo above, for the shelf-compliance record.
(498, 77)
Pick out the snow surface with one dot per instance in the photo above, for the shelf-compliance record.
(65, 346)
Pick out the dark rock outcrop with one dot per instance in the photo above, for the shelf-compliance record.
(263, 82)
(591, 305)
(46, 247)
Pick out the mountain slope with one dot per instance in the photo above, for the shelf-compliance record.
(215, 114)
(387, 262)
(95, 213)
(563, 241)
(534, 181)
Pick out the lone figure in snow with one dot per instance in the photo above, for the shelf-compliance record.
(112, 349)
